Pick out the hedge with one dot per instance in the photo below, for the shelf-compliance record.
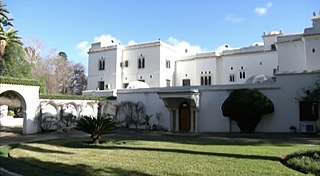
(73, 97)
(19, 81)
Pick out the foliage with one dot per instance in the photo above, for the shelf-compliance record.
(19, 81)
(68, 120)
(132, 111)
(71, 97)
(78, 79)
(13, 63)
(312, 93)
(96, 126)
(304, 161)
(246, 106)
(62, 72)
(48, 122)
(147, 119)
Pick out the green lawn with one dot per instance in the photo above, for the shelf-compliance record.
(145, 156)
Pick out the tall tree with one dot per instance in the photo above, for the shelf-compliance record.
(12, 61)
(78, 79)
(63, 71)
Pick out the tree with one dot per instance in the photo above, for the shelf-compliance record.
(63, 71)
(12, 61)
(246, 107)
(78, 79)
(96, 126)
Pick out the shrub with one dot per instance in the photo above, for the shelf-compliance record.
(246, 106)
(96, 126)
(304, 161)
(133, 112)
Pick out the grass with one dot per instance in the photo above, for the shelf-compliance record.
(146, 156)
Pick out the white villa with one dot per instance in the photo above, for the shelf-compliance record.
(159, 64)
(188, 89)
(185, 91)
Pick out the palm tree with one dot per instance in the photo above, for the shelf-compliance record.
(7, 33)
(4, 16)
(96, 126)
(7, 37)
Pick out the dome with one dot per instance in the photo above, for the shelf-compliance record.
(137, 85)
(256, 79)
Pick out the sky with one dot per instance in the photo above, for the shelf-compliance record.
(199, 25)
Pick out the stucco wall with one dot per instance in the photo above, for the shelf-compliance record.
(284, 93)
(30, 96)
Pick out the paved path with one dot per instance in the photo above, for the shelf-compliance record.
(12, 138)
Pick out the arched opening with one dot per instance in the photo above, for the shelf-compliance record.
(12, 111)
(184, 117)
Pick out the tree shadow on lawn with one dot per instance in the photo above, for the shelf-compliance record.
(118, 145)
(227, 139)
(34, 167)
(42, 150)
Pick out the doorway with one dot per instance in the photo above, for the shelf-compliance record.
(184, 117)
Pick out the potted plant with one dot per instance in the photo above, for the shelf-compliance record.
(293, 129)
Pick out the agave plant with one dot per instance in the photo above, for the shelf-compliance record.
(96, 126)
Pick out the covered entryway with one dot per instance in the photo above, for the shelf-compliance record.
(183, 105)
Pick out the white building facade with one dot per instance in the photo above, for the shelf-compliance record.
(160, 65)
(189, 89)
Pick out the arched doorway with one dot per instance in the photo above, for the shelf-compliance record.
(13, 111)
(184, 117)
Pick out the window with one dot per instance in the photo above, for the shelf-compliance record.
(168, 82)
(313, 50)
(205, 80)
(125, 85)
(308, 111)
(101, 85)
(273, 47)
(141, 63)
(231, 77)
(186, 82)
(121, 64)
(102, 64)
(242, 75)
(126, 63)
(168, 64)
(231, 68)
(142, 80)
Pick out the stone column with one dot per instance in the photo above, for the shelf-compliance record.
(191, 120)
(177, 119)
(196, 121)
(170, 120)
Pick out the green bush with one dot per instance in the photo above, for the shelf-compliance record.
(96, 126)
(246, 107)
(304, 161)
(19, 81)
(71, 97)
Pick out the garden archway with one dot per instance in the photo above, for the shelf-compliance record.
(29, 97)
